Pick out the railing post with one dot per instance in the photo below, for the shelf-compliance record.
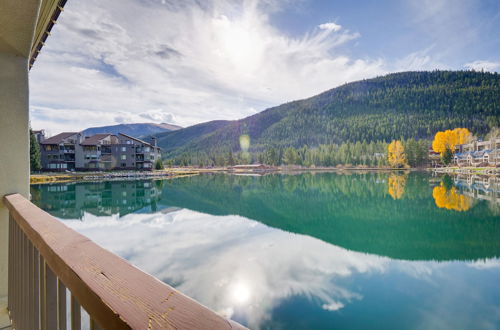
(24, 281)
(76, 316)
(10, 287)
(41, 286)
(50, 298)
(94, 325)
(61, 305)
(31, 285)
(15, 278)
(36, 289)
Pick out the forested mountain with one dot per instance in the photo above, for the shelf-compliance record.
(172, 141)
(400, 105)
(136, 130)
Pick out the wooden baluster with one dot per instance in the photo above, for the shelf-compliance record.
(41, 285)
(94, 325)
(10, 294)
(15, 279)
(24, 281)
(30, 285)
(61, 305)
(36, 289)
(50, 298)
(76, 314)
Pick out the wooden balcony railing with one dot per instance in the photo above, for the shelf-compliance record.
(49, 261)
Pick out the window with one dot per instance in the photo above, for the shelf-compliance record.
(124, 157)
(124, 149)
(124, 165)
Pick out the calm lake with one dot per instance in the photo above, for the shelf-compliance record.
(307, 251)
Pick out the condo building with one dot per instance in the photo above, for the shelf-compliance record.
(478, 153)
(100, 152)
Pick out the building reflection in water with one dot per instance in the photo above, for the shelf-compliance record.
(73, 200)
(460, 192)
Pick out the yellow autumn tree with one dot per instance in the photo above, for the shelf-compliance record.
(396, 185)
(396, 154)
(463, 135)
(449, 139)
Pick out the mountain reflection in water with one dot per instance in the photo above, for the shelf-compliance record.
(303, 251)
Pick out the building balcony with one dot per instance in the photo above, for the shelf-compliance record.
(47, 260)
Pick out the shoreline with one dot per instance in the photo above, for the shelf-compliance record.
(484, 171)
(171, 173)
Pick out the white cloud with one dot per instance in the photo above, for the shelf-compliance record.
(72, 119)
(219, 60)
(330, 26)
(419, 60)
(483, 66)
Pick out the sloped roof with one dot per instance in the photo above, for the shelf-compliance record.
(94, 139)
(138, 140)
(57, 139)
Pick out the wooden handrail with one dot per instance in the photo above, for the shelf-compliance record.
(115, 294)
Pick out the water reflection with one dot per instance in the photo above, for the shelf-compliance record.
(352, 211)
(446, 196)
(72, 200)
(307, 251)
(396, 185)
(239, 267)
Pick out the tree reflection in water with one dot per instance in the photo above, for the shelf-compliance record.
(445, 196)
(396, 185)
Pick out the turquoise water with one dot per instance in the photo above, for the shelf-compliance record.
(307, 251)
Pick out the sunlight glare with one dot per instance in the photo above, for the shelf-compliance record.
(241, 293)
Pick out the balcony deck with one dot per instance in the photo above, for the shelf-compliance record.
(47, 259)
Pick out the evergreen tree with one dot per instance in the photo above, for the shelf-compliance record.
(35, 156)
(447, 156)
(158, 164)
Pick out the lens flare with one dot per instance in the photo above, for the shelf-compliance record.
(244, 142)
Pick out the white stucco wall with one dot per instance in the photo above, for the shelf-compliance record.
(17, 22)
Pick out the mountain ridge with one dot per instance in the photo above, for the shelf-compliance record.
(399, 105)
(137, 130)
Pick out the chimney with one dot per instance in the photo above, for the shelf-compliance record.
(154, 142)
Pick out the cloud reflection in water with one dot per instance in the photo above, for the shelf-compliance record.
(238, 267)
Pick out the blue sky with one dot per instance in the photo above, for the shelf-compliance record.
(185, 62)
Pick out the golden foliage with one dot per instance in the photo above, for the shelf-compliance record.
(396, 154)
(396, 185)
(449, 199)
(449, 139)
(464, 135)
